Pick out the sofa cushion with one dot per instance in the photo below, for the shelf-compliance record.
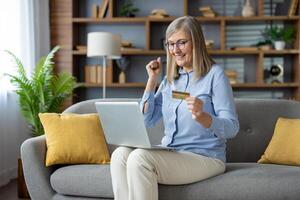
(284, 147)
(241, 181)
(83, 180)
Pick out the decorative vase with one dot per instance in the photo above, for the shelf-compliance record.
(279, 45)
(122, 77)
(248, 10)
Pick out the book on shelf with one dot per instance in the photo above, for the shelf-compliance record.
(94, 11)
(93, 74)
(81, 48)
(87, 78)
(103, 8)
(293, 7)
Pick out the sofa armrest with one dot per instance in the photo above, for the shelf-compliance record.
(37, 175)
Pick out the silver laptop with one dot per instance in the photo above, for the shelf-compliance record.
(123, 124)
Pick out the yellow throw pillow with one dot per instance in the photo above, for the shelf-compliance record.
(284, 147)
(74, 139)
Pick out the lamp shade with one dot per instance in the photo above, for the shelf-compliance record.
(103, 44)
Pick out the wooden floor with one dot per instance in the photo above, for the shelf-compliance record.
(9, 191)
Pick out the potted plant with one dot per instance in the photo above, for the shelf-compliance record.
(128, 10)
(42, 91)
(280, 36)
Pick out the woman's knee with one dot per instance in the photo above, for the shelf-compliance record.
(139, 158)
(121, 154)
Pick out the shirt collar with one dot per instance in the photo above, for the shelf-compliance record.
(181, 71)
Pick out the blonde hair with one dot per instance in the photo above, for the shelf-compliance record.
(202, 63)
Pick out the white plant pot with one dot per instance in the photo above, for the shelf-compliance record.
(279, 45)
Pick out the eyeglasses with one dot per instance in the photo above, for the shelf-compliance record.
(179, 44)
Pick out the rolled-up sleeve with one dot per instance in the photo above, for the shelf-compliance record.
(225, 122)
(153, 113)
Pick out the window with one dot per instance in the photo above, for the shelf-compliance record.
(10, 38)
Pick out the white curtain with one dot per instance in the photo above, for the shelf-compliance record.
(24, 30)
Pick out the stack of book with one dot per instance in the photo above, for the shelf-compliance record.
(207, 11)
(93, 74)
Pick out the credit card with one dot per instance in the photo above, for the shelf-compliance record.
(180, 95)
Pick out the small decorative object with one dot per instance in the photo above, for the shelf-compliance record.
(248, 10)
(264, 45)
(128, 10)
(207, 11)
(123, 63)
(128, 46)
(122, 77)
(209, 44)
(280, 36)
(274, 74)
(279, 45)
(126, 43)
(159, 13)
(232, 75)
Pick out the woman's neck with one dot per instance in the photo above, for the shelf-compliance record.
(187, 69)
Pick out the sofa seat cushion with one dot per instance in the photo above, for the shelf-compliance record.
(83, 180)
(241, 181)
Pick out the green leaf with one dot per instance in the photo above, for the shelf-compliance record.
(42, 91)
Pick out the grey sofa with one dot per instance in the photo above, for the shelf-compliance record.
(244, 178)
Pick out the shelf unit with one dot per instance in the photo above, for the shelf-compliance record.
(67, 22)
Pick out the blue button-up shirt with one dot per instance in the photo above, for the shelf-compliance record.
(181, 131)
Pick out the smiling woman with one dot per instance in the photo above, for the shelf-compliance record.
(195, 102)
(28, 39)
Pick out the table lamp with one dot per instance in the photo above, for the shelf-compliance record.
(105, 45)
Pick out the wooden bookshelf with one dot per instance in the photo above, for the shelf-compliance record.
(236, 85)
(212, 52)
(117, 20)
(66, 25)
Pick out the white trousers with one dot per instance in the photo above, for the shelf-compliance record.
(136, 172)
